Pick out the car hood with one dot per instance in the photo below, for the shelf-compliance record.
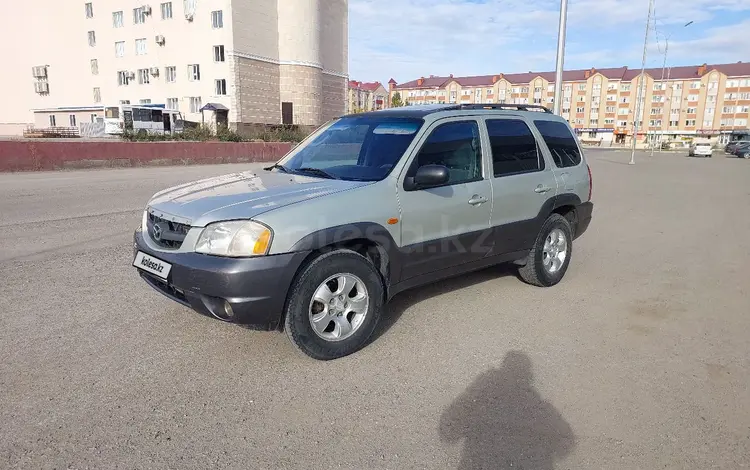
(240, 196)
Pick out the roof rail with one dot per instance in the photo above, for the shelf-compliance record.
(520, 107)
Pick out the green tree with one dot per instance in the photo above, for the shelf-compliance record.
(396, 100)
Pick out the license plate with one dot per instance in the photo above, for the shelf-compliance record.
(153, 265)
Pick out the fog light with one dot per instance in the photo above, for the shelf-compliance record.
(228, 309)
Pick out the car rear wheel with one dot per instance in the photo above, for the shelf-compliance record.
(334, 306)
(548, 260)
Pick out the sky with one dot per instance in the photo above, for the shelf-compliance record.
(407, 39)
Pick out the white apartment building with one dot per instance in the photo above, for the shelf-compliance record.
(253, 57)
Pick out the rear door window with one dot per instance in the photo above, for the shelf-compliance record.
(561, 143)
(514, 149)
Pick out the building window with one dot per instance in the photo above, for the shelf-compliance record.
(140, 46)
(593, 122)
(89, 10)
(581, 87)
(120, 49)
(94, 67)
(690, 122)
(537, 101)
(692, 110)
(514, 150)
(194, 72)
(123, 78)
(117, 21)
(166, 10)
(172, 103)
(52, 120)
(580, 109)
(217, 19)
(622, 123)
(218, 53)
(195, 104)
(625, 87)
(92, 38)
(72, 120)
(143, 77)
(695, 85)
(93, 117)
(656, 110)
(170, 74)
(97, 95)
(221, 86)
(139, 15)
(124, 101)
(144, 101)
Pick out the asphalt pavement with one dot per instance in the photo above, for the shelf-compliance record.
(639, 359)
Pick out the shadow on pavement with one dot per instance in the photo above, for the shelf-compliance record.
(403, 301)
(505, 423)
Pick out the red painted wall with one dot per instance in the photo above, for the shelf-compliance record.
(49, 155)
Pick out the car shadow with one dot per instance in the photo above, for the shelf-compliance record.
(403, 301)
(504, 422)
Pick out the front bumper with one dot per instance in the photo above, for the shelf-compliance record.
(256, 288)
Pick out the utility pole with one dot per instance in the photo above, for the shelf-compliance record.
(667, 101)
(560, 56)
(638, 107)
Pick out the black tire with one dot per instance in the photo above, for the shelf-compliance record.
(296, 316)
(534, 272)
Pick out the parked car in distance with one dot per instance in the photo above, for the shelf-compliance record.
(743, 152)
(731, 147)
(701, 148)
(368, 206)
(740, 147)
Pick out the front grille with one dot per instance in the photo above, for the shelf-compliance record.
(165, 232)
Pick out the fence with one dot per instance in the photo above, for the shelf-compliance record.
(46, 155)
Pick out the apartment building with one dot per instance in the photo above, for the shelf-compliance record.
(677, 103)
(260, 61)
(363, 96)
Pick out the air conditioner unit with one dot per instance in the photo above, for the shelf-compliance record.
(160, 39)
(41, 87)
(146, 9)
(39, 72)
(154, 71)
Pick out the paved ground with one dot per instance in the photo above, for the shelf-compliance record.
(638, 360)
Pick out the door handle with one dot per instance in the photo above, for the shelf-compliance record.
(477, 199)
(542, 189)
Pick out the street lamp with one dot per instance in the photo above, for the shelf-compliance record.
(560, 56)
(663, 67)
(638, 107)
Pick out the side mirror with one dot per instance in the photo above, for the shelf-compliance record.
(430, 175)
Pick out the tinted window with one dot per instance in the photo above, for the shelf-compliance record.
(356, 147)
(560, 142)
(514, 148)
(455, 145)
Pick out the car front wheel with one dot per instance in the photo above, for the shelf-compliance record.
(548, 260)
(334, 306)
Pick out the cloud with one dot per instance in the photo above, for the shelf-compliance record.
(406, 39)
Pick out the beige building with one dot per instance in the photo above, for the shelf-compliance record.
(365, 96)
(698, 100)
(266, 61)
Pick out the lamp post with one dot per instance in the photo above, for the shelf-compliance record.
(663, 68)
(560, 56)
(638, 107)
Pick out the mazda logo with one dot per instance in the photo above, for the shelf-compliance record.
(157, 231)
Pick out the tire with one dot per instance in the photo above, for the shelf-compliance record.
(301, 307)
(536, 271)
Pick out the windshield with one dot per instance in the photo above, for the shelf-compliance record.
(363, 148)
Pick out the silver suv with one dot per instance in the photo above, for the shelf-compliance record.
(367, 206)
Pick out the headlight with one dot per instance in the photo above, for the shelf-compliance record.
(236, 238)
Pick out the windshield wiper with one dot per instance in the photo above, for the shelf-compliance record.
(276, 166)
(317, 171)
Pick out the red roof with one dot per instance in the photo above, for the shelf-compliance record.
(738, 69)
(369, 86)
